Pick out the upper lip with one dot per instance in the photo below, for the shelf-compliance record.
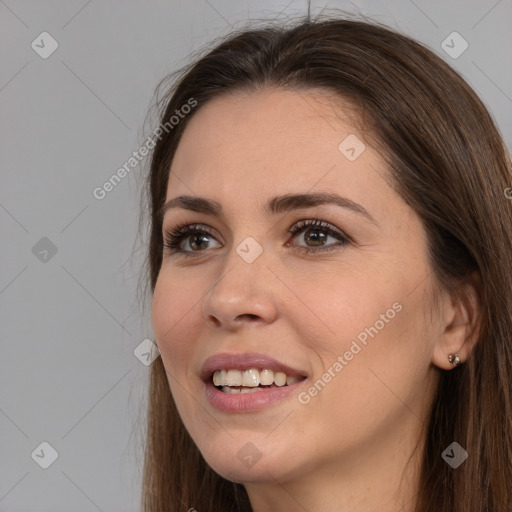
(246, 361)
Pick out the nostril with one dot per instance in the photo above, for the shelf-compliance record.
(214, 321)
(250, 316)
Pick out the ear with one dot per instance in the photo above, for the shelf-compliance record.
(461, 322)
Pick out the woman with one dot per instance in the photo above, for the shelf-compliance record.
(331, 276)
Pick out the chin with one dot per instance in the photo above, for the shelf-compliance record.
(249, 464)
(240, 474)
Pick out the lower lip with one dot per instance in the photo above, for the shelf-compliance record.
(248, 402)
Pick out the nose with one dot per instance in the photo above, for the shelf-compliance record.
(244, 294)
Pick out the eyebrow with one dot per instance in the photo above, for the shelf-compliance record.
(276, 205)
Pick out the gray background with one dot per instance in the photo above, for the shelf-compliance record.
(70, 322)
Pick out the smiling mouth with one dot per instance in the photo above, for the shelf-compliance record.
(232, 381)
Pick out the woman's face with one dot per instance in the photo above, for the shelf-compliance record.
(351, 320)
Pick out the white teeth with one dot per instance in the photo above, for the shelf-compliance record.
(231, 391)
(280, 378)
(266, 377)
(249, 380)
(234, 378)
(249, 390)
(239, 391)
(291, 380)
(219, 377)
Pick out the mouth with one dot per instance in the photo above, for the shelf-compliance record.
(234, 381)
(248, 382)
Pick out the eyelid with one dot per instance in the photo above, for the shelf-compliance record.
(298, 224)
(317, 223)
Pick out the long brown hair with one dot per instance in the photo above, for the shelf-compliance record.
(448, 162)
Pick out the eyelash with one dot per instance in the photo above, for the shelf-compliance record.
(173, 238)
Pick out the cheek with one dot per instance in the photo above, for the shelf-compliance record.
(386, 348)
(174, 311)
(350, 304)
(374, 322)
(174, 318)
(382, 376)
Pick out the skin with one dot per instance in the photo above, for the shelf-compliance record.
(348, 448)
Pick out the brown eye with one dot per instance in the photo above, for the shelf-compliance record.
(196, 236)
(315, 235)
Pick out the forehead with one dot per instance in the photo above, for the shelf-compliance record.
(282, 118)
(243, 146)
